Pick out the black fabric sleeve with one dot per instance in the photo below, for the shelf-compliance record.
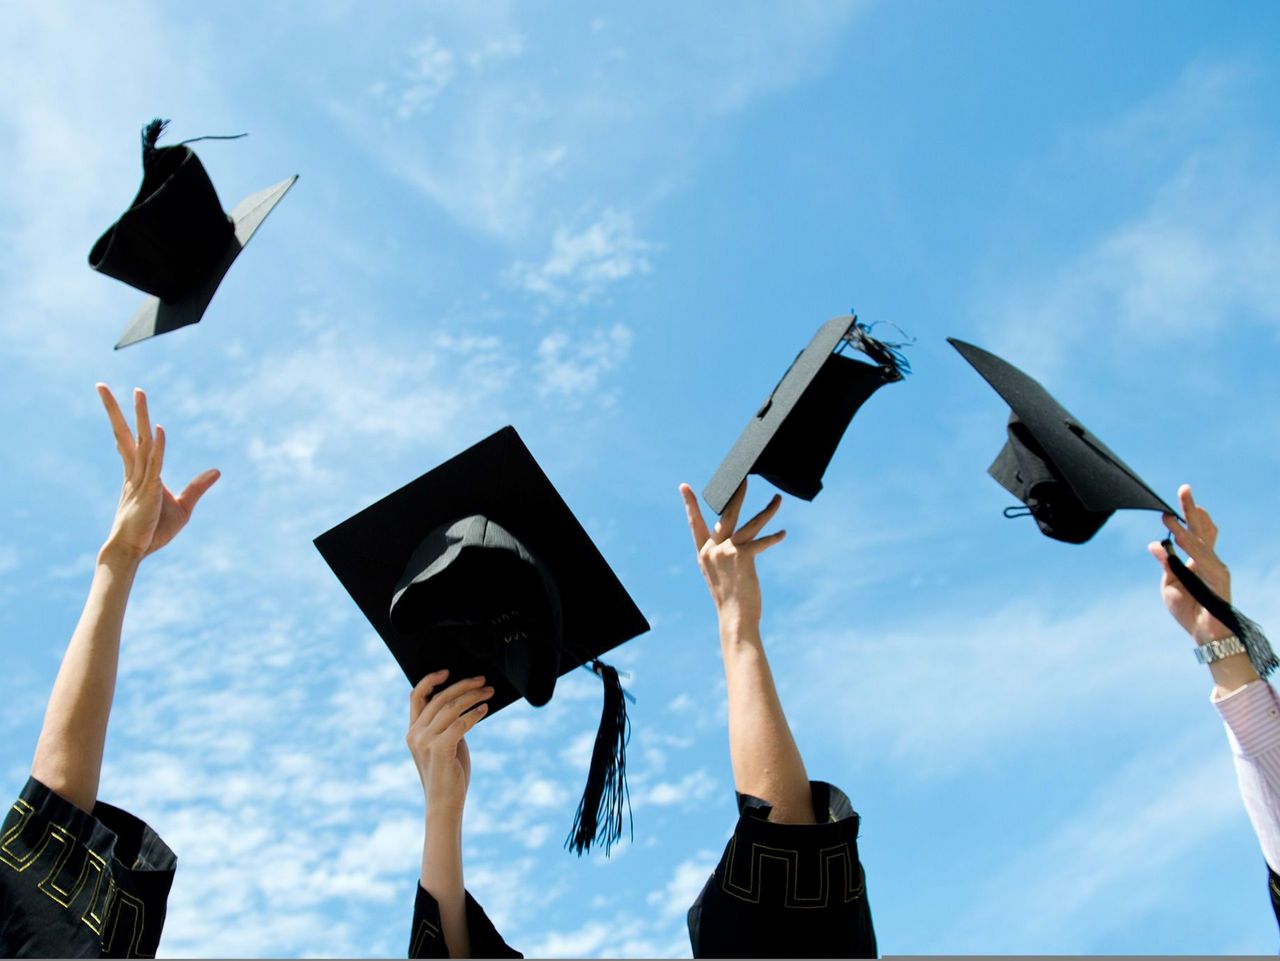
(426, 940)
(74, 884)
(1273, 888)
(787, 890)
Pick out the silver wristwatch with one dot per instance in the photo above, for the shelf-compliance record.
(1217, 650)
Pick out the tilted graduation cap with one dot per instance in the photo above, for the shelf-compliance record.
(1071, 482)
(175, 242)
(793, 436)
(480, 567)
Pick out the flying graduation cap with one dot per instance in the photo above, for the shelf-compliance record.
(175, 242)
(793, 436)
(1071, 483)
(480, 567)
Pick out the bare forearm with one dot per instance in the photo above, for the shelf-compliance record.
(68, 756)
(1231, 673)
(766, 762)
(442, 877)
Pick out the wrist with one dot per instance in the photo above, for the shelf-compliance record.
(444, 815)
(1208, 635)
(740, 635)
(736, 623)
(118, 555)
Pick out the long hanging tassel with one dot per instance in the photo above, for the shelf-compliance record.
(1255, 643)
(600, 812)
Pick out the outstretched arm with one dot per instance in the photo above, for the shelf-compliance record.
(435, 739)
(766, 762)
(1249, 706)
(68, 757)
(1198, 540)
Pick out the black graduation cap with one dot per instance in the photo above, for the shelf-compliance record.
(175, 242)
(793, 436)
(1070, 482)
(480, 567)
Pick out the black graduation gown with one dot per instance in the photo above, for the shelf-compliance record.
(427, 937)
(787, 890)
(77, 885)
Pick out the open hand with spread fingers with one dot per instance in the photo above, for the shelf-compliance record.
(1197, 541)
(437, 725)
(149, 516)
(727, 554)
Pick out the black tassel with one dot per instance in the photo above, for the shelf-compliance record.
(150, 134)
(892, 361)
(1250, 634)
(600, 812)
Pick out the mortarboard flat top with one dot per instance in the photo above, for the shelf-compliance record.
(793, 436)
(158, 316)
(497, 478)
(175, 242)
(1049, 446)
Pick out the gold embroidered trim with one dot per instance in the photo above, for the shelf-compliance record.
(425, 930)
(139, 921)
(839, 857)
(68, 877)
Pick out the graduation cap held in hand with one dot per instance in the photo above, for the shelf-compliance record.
(1071, 483)
(480, 567)
(793, 436)
(175, 242)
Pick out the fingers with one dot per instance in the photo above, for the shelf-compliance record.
(752, 527)
(763, 544)
(421, 692)
(192, 493)
(156, 461)
(119, 426)
(1156, 550)
(1198, 520)
(437, 703)
(456, 731)
(1196, 548)
(142, 420)
(454, 707)
(728, 521)
(1185, 500)
(697, 526)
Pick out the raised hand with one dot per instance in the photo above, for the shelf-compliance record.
(1197, 541)
(437, 724)
(149, 516)
(727, 557)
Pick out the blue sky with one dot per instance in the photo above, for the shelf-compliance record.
(614, 228)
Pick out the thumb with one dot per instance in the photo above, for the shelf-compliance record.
(192, 493)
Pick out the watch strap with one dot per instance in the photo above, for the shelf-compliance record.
(1216, 650)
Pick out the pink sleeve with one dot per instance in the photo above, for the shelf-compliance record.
(1252, 716)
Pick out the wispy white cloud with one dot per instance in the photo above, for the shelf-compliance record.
(583, 263)
(622, 936)
(572, 366)
(694, 788)
(676, 897)
(1110, 864)
(1194, 262)
(954, 712)
(547, 104)
(431, 69)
